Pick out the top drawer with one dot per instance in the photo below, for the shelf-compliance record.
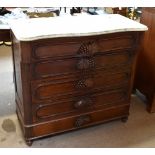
(77, 47)
(52, 50)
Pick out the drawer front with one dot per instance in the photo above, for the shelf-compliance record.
(79, 104)
(75, 122)
(50, 89)
(76, 65)
(52, 50)
(74, 47)
(119, 42)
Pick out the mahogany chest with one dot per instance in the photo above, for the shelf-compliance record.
(68, 83)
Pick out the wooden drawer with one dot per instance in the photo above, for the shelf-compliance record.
(76, 65)
(51, 89)
(80, 46)
(79, 104)
(53, 50)
(119, 42)
(75, 122)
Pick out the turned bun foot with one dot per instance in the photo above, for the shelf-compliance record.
(29, 142)
(124, 119)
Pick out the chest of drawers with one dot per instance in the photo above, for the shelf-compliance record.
(68, 83)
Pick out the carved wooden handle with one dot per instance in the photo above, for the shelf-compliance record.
(83, 103)
(82, 120)
(85, 64)
(85, 83)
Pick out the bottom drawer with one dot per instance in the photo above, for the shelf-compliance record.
(75, 122)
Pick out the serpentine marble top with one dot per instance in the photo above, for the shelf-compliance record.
(4, 27)
(73, 26)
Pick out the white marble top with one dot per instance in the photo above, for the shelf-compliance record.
(4, 27)
(68, 26)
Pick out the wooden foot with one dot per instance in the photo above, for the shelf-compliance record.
(29, 142)
(134, 91)
(124, 119)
